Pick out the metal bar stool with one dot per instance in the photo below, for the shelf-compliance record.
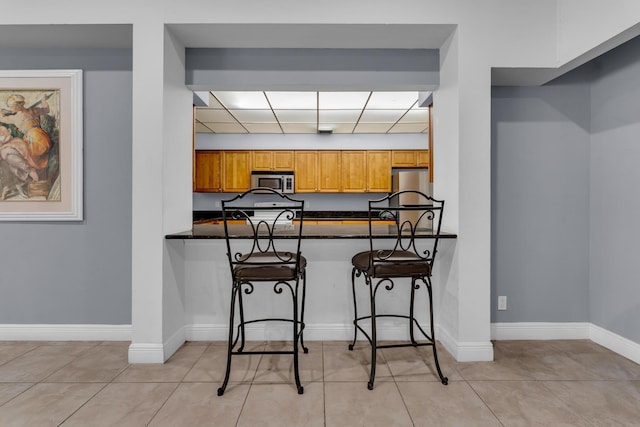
(263, 247)
(415, 220)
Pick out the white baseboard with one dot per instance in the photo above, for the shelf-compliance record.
(65, 332)
(466, 351)
(569, 331)
(156, 353)
(462, 351)
(540, 331)
(146, 353)
(615, 343)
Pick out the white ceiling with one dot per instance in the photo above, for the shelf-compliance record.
(364, 36)
(310, 36)
(312, 112)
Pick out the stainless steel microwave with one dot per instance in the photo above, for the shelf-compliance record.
(281, 181)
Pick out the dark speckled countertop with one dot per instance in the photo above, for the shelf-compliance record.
(310, 231)
(203, 217)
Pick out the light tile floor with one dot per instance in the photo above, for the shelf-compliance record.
(529, 383)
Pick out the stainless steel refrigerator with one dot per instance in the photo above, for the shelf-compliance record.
(412, 180)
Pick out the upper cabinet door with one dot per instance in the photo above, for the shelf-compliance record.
(306, 171)
(329, 171)
(266, 160)
(261, 160)
(236, 171)
(403, 158)
(207, 171)
(423, 158)
(354, 171)
(379, 171)
(283, 160)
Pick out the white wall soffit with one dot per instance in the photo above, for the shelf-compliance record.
(523, 76)
(310, 36)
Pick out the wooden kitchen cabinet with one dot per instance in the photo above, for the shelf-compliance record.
(283, 160)
(317, 171)
(267, 160)
(329, 171)
(366, 171)
(354, 171)
(403, 158)
(207, 171)
(261, 160)
(423, 158)
(379, 171)
(236, 171)
(409, 158)
(306, 171)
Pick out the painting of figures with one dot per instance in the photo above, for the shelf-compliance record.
(41, 145)
(29, 161)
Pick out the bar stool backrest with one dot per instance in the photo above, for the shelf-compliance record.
(417, 219)
(273, 222)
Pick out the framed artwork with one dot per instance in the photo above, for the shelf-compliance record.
(41, 145)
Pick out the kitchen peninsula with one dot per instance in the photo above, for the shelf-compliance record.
(328, 248)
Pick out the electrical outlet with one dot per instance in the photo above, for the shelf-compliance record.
(502, 302)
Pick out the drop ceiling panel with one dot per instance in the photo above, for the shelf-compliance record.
(416, 116)
(339, 116)
(299, 127)
(242, 100)
(263, 127)
(342, 100)
(254, 116)
(312, 111)
(388, 100)
(213, 115)
(296, 116)
(372, 127)
(226, 127)
(200, 128)
(381, 116)
(408, 128)
(342, 127)
(292, 100)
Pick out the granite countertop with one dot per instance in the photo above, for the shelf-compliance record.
(204, 217)
(310, 231)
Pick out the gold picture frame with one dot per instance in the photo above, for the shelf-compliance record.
(41, 147)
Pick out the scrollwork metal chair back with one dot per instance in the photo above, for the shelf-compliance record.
(419, 217)
(271, 226)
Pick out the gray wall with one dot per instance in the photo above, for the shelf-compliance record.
(615, 193)
(78, 272)
(540, 201)
(565, 202)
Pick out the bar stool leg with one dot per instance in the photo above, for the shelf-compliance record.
(374, 337)
(296, 336)
(355, 308)
(443, 379)
(241, 312)
(304, 291)
(235, 289)
(412, 320)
